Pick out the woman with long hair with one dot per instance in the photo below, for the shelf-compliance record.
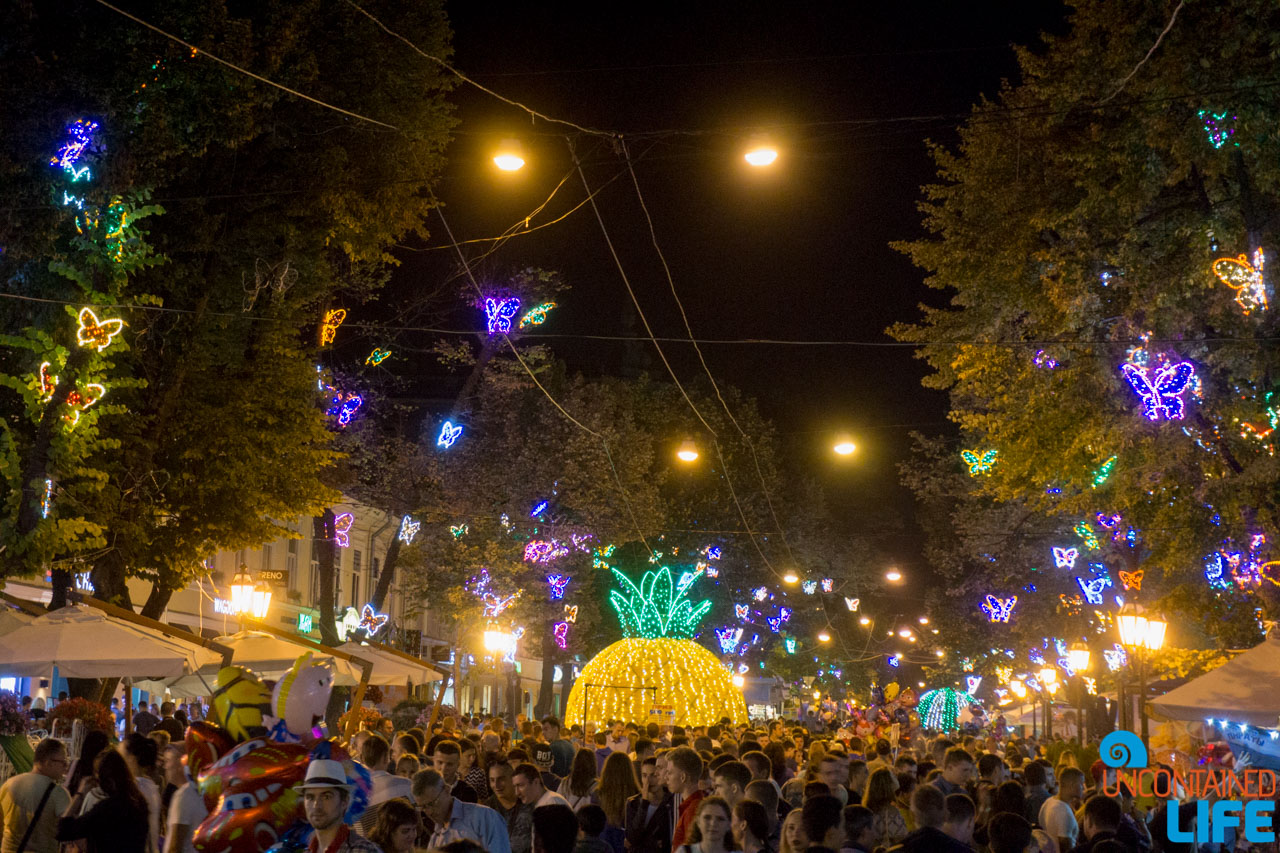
(793, 837)
(397, 827)
(750, 827)
(617, 785)
(579, 786)
(94, 742)
(880, 798)
(710, 833)
(118, 821)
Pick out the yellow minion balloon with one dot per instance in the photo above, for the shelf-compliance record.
(240, 701)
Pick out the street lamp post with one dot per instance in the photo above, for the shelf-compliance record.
(1049, 681)
(1140, 634)
(248, 598)
(1078, 657)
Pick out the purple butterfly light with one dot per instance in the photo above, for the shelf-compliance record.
(1162, 393)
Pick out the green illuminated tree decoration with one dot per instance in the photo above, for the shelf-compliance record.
(940, 709)
(659, 607)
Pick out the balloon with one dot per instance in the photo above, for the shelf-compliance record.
(255, 806)
(302, 695)
(240, 701)
(205, 743)
(891, 691)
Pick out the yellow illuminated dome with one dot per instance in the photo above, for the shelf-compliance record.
(688, 677)
(657, 663)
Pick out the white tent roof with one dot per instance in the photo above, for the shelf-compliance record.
(87, 643)
(1243, 690)
(390, 668)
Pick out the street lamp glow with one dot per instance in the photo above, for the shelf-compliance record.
(824, 637)
(510, 156)
(1018, 687)
(1048, 676)
(904, 633)
(791, 577)
(248, 598)
(844, 446)
(738, 681)
(497, 641)
(864, 621)
(940, 653)
(923, 620)
(761, 155)
(688, 451)
(1078, 657)
(893, 576)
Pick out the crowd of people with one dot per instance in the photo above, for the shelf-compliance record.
(473, 785)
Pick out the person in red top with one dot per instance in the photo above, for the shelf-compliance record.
(326, 793)
(684, 772)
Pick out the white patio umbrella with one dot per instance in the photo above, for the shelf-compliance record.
(11, 619)
(271, 656)
(87, 643)
(390, 668)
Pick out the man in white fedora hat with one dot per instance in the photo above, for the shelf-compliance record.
(326, 793)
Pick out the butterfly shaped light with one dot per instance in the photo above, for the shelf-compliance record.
(775, 623)
(999, 609)
(97, 333)
(329, 325)
(1086, 534)
(448, 434)
(810, 587)
(1065, 558)
(556, 584)
(1104, 471)
(1245, 279)
(742, 611)
(543, 551)
(1132, 580)
(827, 584)
(561, 634)
(408, 529)
(972, 683)
(571, 613)
(48, 382)
(371, 621)
(499, 313)
(46, 502)
(378, 356)
(346, 410)
(1093, 587)
(342, 529)
(979, 463)
(1160, 390)
(81, 133)
(80, 402)
(852, 604)
(457, 531)
(536, 316)
(790, 643)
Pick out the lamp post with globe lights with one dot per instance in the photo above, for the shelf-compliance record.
(1078, 656)
(1140, 634)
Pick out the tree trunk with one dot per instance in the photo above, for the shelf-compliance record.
(325, 548)
(388, 573)
(109, 577)
(157, 601)
(546, 688)
(566, 686)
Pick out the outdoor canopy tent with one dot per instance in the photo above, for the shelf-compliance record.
(84, 642)
(390, 667)
(1243, 690)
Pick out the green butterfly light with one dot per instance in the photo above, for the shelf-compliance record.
(659, 606)
(979, 464)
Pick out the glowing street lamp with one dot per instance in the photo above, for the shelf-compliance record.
(497, 641)
(738, 681)
(761, 154)
(824, 637)
(893, 576)
(510, 156)
(248, 598)
(864, 621)
(923, 620)
(791, 577)
(844, 446)
(1140, 633)
(688, 451)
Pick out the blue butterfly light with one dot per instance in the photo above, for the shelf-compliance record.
(499, 314)
(1093, 588)
(1162, 393)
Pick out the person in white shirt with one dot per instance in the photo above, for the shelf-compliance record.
(1057, 815)
(375, 753)
(186, 808)
(618, 740)
(454, 819)
(529, 788)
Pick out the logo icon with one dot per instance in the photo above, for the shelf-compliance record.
(1123, 749)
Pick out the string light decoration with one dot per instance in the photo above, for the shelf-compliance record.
(999, 609)
(1093, 587)
(810, 587)
(940, 709)
(543, 551)
(46, 503)
(657, 661)
(342, 529)
(1116, 657)
(774, 623)
(1044, 360)
(894, 661)
(448, 434)
(571, 613)
(378, 356)
(371, 621)
(760, 593)
(1219, 127)
(600, 557)
(1103, 473)
(80, 137)
(1245, 278)
(1086, 534)
(494, 603)
(560, 631)
(556, 584)
(80, 402)
(972, 683)
(742, 611)
(535, 316)
(457, 531)
(409, 529)
(1132, 580)
(1065, 558)
(97, 333)
(784, 613)
(852, 604)
(790, 644)
(1160, 391)
(329, 325)
(499, 313)
(344, 408)
(48, 382)
(979, 463)
(712, 552)
(828, 584)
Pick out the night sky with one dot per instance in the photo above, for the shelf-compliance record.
(797, 252)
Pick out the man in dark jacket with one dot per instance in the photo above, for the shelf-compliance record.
(649, 814)
(929, 808)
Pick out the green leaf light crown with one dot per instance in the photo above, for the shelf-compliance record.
(659, 606)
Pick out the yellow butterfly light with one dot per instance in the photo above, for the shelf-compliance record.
(1132, 580)
(979, 464)
(1245, 279)
(329, 326)
(97, 333)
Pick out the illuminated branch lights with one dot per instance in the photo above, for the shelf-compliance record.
(1245, 279)
(1104, 472)
(1161, 392)
(658, 607)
